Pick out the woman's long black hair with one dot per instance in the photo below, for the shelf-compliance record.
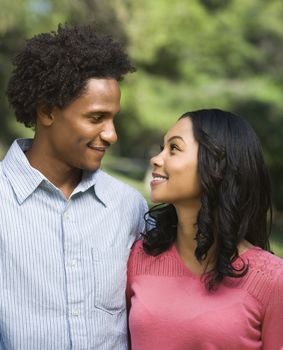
(236, 196)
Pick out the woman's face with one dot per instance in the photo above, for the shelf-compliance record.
(175, 177)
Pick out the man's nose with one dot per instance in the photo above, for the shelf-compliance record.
(109, 134)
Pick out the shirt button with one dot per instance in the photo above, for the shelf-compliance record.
(67, 216)
(75, 312)
(73, 263)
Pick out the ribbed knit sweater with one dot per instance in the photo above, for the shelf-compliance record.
(170, 309)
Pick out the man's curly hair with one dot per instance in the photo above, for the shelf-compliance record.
(53, 68)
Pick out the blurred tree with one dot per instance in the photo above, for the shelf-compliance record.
(11, 38)
(208, 53)
(20, 19)
(101, 13)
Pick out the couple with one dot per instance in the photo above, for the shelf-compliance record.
(200, 278)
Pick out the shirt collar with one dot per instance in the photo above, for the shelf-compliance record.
(103, 184)
(105, 187)
(93, 179)
(25, 179)
(22, 176)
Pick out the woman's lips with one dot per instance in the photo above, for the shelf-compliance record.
(158, 179)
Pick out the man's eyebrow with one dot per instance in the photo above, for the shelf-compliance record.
(99, 111)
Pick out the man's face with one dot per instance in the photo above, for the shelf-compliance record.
(81, 132)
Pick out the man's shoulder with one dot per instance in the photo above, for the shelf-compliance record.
(2, 175)
(5, 187)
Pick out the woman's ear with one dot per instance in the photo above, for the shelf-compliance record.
(44, 115)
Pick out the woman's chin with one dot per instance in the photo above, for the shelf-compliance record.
(153, 199)
(157, 199)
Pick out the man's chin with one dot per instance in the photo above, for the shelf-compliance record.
(92, 167)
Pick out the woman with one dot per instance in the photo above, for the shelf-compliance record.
(203, 277)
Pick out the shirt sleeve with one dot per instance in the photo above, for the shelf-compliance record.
(129, 291)
(129, 280)
(143, 208)
(272, 328)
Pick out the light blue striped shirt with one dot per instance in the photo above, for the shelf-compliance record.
(63, 262)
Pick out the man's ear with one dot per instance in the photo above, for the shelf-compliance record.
(44, 115)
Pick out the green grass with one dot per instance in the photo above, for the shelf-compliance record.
(277, 238)
(277, 248)
(277, 235)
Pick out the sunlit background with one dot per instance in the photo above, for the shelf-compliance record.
(190, 54)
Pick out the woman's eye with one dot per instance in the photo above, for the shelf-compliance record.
(161, 148)
(173, 147)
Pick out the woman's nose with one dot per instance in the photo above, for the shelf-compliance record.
(156, 160)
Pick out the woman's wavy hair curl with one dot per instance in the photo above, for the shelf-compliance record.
(53, 68)
(236, 195)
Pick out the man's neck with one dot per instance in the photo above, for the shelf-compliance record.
(58, 173)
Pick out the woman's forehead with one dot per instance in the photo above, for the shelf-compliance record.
(182, 127)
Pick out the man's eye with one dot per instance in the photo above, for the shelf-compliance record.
(96, 118)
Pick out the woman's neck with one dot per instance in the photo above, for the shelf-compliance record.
(186, 237)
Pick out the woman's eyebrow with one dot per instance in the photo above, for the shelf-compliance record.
(175, 137)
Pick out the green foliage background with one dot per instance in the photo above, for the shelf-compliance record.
(190, 54)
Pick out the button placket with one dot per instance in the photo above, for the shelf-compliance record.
(73, 263)
(74, 273)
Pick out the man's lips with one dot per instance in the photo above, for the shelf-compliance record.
(98, 148)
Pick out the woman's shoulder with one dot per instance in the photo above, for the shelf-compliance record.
(265, 273)
(139, 256)
(137, 247)
(163, 264)
(264, 262)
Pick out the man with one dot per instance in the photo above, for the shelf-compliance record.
(66, 227)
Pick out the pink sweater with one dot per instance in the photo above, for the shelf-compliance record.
(170, 309)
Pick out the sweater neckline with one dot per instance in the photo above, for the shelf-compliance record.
(243, 255)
